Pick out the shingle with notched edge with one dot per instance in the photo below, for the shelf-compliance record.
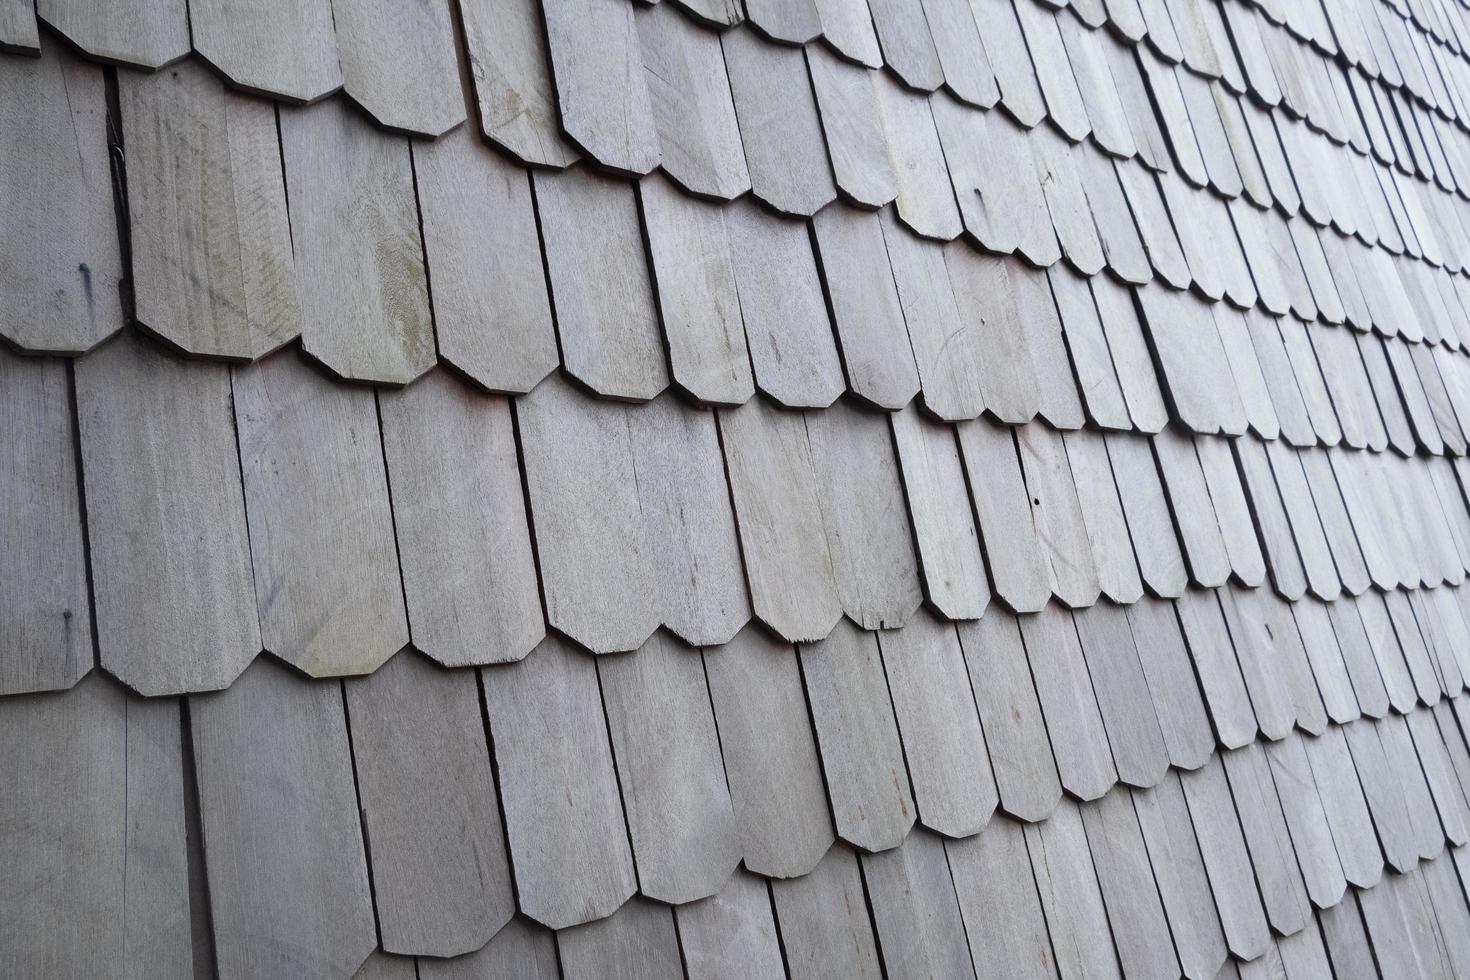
(908, 49)
(288, 879)
(1309, 380)
(847, 96)
(1005, 48)
(916, 911)
(558, 788)
(1386, 800)
(1088, 57)
(1160, 561)
(1019, 573)
(1208, 638)
(1404, 765)
(1306, 526)
(1010, 714)
(597, 68)
(61, 292)
(943, 743)
(731, 935)
(847, 25)
(663, 735)
(359, 259)
(521, 949)
(1227, 862)
(1439, 773)
(1283, 892)
(464, 545)
(1190, 354)
(823, 917)
(778, 510)
(278, 47)
(986, 302)
(1184, 885)
(956, 34)
(505, 45)
(1285, 564)
(1129, 893)
(170, 556)
(1280, 378)
(138, 33)
(1175, 693)
(784, 149)
(787, 329)
(1246, 370)
(45, 612)
(925, 197)
(600, 289)
(1411, 641)
(638, 940)
(1345, 807)
(399, 64)
(1347, 383)
(876, 354)
(1307, 820)
(1131, 358)
(1227, 496)
(693, 110)
(1319, 642)
(698, 303)
(1097, 380)
(1267, 623)
(1155, 227)
(492, 314)
(1064, 105)
(1346, 552)
(770, 754)
(1357, 656)
(1122, 692)
(1194, 513)
(1057, 515)
(1117, 234)
(946, 542)
(858, 737)
(431, 816)
(1102, 513)
(1070, 897)
(791, 21)
(327, 584)
(869, 539)
(1064, 688)
(1058, 171)
(18, 30)
(1002, 911)
(211, 243)
(92, 836)
(1392, 667)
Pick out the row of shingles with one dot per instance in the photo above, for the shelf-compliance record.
(415, 732)
(398, 63)
(252, 310)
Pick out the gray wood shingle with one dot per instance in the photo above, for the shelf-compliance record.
(1064, 687)
(278, 47)
(399, 63)
(1122, 692)
(915, 910)
(823, 917)
(505, 47)
(637, 942)
(731, 935)
(1129, 893)
(1070, 897)
(1184, 884)
(999, 903)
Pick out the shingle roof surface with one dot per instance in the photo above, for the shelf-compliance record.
(703, 488)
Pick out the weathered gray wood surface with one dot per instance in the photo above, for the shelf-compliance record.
(1102, 512)
(399, 64)
(731, 935)
(279, 47)
(1078, 735)
(637, 942)
(1126, 879)
(825, 929)
(998, 900)
(1179, 870)
(915, 910)
(1070, 896)
(505, 45)
(136, 33)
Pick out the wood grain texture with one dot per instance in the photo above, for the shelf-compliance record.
(45, 612)
(398, 63)
(558, 788)
(1070, 897)
(1057, 169)
(1227, 861)
(1270, 652)
(1160, 560)
(359, 259)
(1310, 383)
(1276, 367)
(505, 46)
(698, 300)
(998, 900)
(1021, 756)
(1059, 402)
(1005, 48)
(984, 298)
(1347, 941)
(869, 539)
(1351, 391)
(1184, 884)
(968, 74)
(169, 551)
(779, 126)
(662, 726)
(770, 753)
(327, 585)
(1122, 693)
(877, 357)
(693, 110)
(1369, 690)
(1314, 624)
(1151, 216)
(824, 922)
(1178, 703)
(1117, 233)
(522, 949)
(1208, 639)
(1057, 515)
(288, 880)
(1204, 398)
(731, 935)
(92, 836)
(492, 314)
(1306, 525)
(598, 71)
(136, 33)
(1267, 837)
(18, 32)
(1064, 105)
(847, 98)
(1194, 513)
(277, 47)
(1096, 378)
(430, 811)
(1130, 354)
(211, 242)
(1404, 765)
(1126, 879)
(945, 539)
(847, 25)
(637, 941)
(1019, 573)
(1087, 56)
(605, 314)
(773, 484)
(1387, 803)
(1079, 735)
(463, 541)
(940, 726)
(908, 49)
(925, 200)
(1232, 510)
(915, 910)
(1102, 512)
(787, 330)
(1273, 526)
(60, 248)
(1347, 554)
(862, 756)
(1345, 807)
